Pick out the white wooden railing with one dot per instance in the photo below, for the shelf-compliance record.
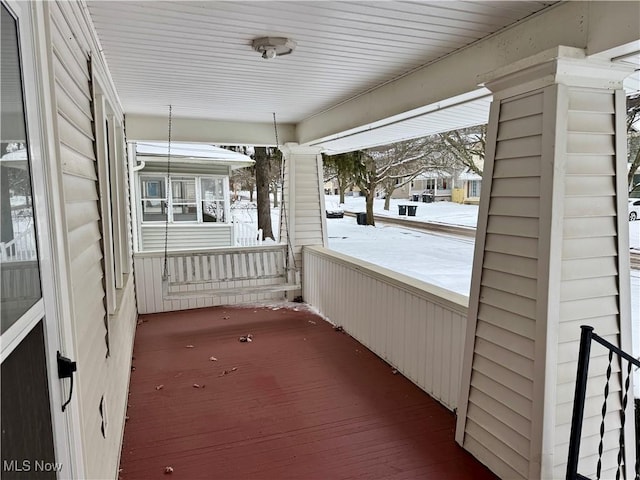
(246, 234)
(418, 328)
(21, 249)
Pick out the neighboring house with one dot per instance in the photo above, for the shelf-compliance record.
(331, 188)
(191, 204)
(469, 189)
(431, 186)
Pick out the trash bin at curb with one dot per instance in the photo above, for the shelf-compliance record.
(402, 209)
(361, 218)
(411, 210)
(429, 198)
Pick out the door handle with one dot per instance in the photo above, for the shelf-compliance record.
(66, 368)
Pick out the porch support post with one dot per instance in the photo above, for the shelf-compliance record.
(302, 219)
(551, 254)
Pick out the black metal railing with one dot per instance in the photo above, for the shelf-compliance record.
(586, 337)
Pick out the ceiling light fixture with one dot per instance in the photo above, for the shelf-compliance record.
(271, 47)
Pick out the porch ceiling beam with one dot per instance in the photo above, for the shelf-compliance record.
(196, 130)
(596, 27)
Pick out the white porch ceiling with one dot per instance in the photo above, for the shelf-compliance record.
(197, 56)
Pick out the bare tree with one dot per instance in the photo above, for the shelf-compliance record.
(467, 145)
(263, 170)
(390, 167)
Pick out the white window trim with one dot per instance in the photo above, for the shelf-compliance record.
(105, 202)
(112, 189)
(196, 181)
(226, 199)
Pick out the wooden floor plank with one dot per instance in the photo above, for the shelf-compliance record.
(301, 401)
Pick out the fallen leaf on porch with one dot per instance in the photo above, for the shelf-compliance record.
(234, 369)
(338, 328)
(312, 322)
(168, 470)
(246, 338)
(159, 387)
(197, 385)
(225, 318)
(126, 419)
(188, 346)
(394, 371)
(213, 359)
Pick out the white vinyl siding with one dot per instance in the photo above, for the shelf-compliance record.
(304, 215)
(182, 237)
(416, 327)
(589, 279)
(97, 376)
(546, 262)
(499, 411)
(184, 168)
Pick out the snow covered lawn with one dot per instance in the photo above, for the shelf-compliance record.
(436, 258)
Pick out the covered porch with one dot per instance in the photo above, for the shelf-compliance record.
(302, 400)
(551, 249)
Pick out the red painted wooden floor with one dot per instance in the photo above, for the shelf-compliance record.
(301, 401)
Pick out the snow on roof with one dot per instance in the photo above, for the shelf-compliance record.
(469, 176)
(196, 152)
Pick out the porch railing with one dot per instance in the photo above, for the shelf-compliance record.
(21, 249)
(418, 328)
(586, 339)
(246, 234)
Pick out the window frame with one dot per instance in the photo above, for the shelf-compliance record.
(110, 159)
(170, 202)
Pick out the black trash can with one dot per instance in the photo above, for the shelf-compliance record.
(411, 210)
(402, 209)
(429, 199)
(361, 218)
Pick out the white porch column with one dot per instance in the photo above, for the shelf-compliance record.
(551, 254)
(302, 220)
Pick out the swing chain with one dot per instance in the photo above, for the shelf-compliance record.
(165, 273)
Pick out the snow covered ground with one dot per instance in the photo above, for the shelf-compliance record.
(435, 258)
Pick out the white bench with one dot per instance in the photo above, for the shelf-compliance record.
(229, 271)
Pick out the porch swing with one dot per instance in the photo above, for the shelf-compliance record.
(228, 272)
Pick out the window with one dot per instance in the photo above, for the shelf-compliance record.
(153, 197)
(184, 207)
(193, 199)
(213, 203)
(474, 188)
(19, 266)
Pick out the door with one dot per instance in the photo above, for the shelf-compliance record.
(27, 434)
